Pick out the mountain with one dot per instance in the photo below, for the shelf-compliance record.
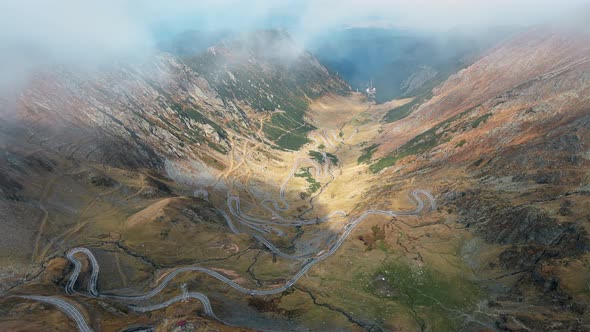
(505, 142)
(185, 102)
(400, 62)
(285, 81)
(191, 42)
(243, 185)
(86, 151)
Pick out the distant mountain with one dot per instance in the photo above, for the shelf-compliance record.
(269, 72)
(191, 42)
(398, 62)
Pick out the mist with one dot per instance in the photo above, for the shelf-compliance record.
(37, 33)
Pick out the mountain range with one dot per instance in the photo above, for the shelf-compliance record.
(456, 201)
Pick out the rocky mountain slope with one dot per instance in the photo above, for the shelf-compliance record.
(400, 62)
(167, 105)
(83, 150)
(216, 173)
(505, 142)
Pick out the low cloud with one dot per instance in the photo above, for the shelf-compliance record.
(40, 32)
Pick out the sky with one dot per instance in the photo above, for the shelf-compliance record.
(37, 32)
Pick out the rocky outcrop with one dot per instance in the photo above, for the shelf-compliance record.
(501, 223)
(139, 114)
(417, 79)
(510, 225)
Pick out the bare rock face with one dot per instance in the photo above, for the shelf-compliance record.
(508, 138)
(504, 224)
(137, 115)
(418, 79)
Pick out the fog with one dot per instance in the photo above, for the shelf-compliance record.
(39, 32)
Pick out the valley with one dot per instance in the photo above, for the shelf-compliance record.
(247, 187)
(318, 224)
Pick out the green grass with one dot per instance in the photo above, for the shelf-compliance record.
(333, 158)
(317, 156)
(400, 112)
(293, 140)
(439, 134)
(433, 295)
(482, 119)
(194, 114)
(367, 154)
(384, 162)
(314, 186)
(254, 85)
(287, 131)
(417, 145)
(360, 120)
(461, 143)
(403, 111)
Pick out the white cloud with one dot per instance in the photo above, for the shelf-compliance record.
(71, 29)
(84, 31)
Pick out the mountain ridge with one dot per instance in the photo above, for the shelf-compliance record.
(262, 171)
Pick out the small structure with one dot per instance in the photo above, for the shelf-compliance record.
(371, 90)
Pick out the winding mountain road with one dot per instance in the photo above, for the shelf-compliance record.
(65, 307)
(257, 224)
(310, 261)
(308, 264)
(78, 267)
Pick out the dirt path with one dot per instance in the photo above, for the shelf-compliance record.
(42, 201)
(143, 185)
